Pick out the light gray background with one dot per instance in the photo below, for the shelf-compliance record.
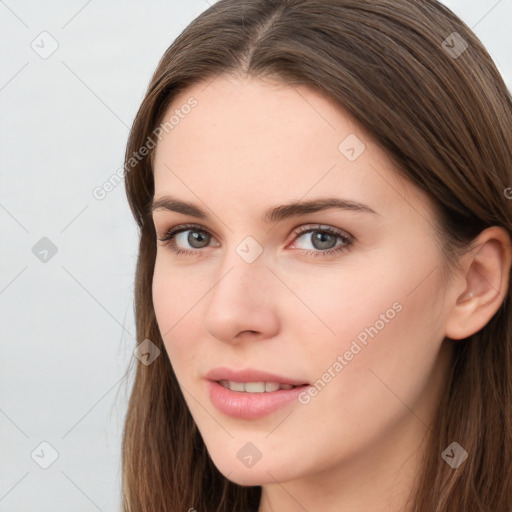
(67, 328)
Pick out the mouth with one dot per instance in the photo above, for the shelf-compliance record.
(251, 393)
(253, 399)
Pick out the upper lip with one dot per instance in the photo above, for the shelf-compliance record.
(250, 375)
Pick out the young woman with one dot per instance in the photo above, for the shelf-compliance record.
(323, 191)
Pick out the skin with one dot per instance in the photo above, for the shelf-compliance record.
(357, 445)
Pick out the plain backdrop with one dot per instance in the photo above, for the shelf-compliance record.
(72, 77)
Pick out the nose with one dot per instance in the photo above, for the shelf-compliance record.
(244, 301)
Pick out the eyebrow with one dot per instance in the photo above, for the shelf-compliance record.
(273, 214)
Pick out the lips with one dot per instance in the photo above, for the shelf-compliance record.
(250, 375)
(251, 394)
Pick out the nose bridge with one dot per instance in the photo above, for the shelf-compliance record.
(241, 298)
(242, 272)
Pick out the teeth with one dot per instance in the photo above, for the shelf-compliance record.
(271, 386)
(236, 386)
(254, 387)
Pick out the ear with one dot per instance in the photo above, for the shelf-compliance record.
(484, 281)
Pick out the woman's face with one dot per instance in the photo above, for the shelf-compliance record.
(353, 307)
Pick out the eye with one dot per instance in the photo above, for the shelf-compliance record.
(198, 238)
(325, 239)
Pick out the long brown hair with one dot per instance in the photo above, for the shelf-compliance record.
(442, 112)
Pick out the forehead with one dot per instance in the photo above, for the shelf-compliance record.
(259, 143)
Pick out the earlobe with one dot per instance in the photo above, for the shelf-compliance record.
(485, 280)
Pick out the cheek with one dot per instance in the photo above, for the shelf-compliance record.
(381, 332)
(165, 295)
(175, 292)
(177, 304)
(389, 343)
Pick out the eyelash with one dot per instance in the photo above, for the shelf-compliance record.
(168, 239)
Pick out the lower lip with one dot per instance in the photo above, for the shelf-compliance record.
(250, 406)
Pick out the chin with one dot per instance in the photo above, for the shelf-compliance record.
(259, 474)
(247, 478)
